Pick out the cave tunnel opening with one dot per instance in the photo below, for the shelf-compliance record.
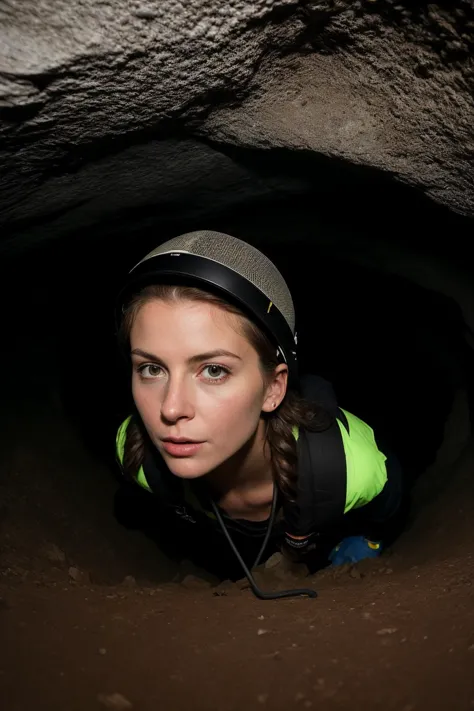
(395, 350)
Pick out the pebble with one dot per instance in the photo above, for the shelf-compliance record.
(192, 582)
(102, 651)
(261, 631)
(77, 575)
(273, 561)
(262, 698)
(387, 630)
(116, 702)
(53, 553)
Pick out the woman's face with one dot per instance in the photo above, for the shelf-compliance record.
(196, 377)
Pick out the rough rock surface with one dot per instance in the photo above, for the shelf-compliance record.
(95, 99)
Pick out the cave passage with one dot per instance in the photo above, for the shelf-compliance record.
(394, 351)
(397, 355)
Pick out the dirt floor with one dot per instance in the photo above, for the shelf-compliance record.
(86, 623)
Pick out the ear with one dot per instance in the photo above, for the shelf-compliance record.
(276, 389)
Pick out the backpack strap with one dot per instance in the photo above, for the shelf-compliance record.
(322, 471)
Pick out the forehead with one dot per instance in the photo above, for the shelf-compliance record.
(187, 322)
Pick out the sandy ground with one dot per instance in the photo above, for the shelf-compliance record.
(89, 619)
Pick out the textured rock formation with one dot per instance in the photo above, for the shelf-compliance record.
(100, 102)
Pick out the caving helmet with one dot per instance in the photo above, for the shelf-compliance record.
(232, 268)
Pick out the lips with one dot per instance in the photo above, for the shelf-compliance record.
(181, 440)
(178, 447)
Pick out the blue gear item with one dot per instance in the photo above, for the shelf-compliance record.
(353, 549)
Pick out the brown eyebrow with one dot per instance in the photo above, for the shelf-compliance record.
(195, 359)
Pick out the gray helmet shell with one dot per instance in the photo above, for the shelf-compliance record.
(239, 272)
(239, 256)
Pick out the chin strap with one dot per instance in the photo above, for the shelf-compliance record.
(256, 590)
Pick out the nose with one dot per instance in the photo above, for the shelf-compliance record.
(177, 400)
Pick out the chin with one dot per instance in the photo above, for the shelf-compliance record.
(185, 468)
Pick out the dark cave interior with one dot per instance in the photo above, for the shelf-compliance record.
(394, 350)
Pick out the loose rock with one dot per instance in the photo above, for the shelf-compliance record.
(116, 702)
(79, 576)
(192, 582)
(53, 553)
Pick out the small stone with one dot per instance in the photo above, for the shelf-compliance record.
(53, 553)
(389, 571)
(471, 648)
(354, 573)
(387, 630)
(299, 696)
(262, 698)
(261, 631)
(307, 704)
(145, 13)
(129, 581)
(116, 702)
(102, 651)
(261, 617)
(192, 582)
(79, 576)
(273, 561)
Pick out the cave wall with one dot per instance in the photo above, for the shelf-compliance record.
(93, 95)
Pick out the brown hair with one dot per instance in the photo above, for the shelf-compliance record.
(293, 410)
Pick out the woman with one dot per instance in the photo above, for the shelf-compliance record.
(226, 435)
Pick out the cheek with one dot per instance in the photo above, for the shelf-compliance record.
(145, 401)
(236, 416)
